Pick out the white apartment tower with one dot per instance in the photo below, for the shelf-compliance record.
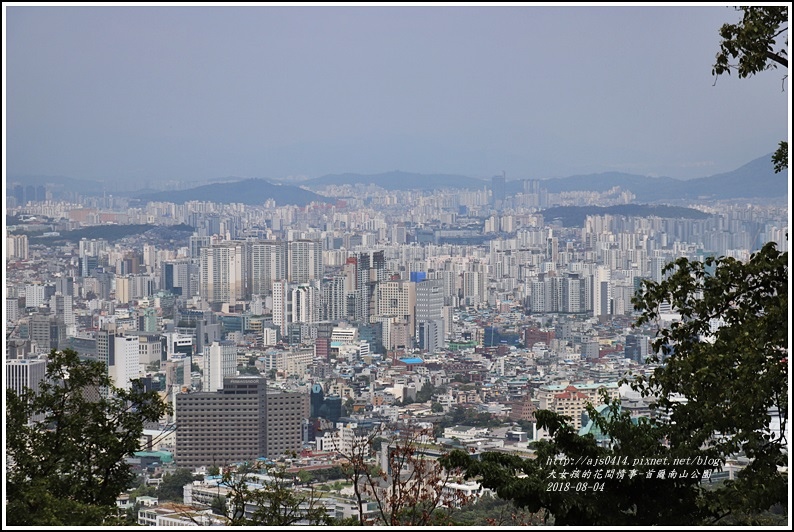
(268, 264)
(223, 275)
(304, 261)
(126, 362)
(220, 360)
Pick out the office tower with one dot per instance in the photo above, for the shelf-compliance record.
(123, 289)
(150, 348)
(636, 347)
(268, 264)
(88, 264)
(89, 252)
(205, 325)
(147, 319)
(106, 344)
(64, 286)
(61, 307)
(129, 264)
(430, 335)
(397, 299)
(498, 190)
(126, 361)
(241, 421)
(19, 194)
(316, 400)
(602, 292)
(25, 373)
(223, 273)
(220, 361)
(142, 285)
(552, 248)
(222, 427)
(304, 261)
(12, 310)
(197, 243)
(47, 332)
(176, 277)
(285, 414)
(430, 314)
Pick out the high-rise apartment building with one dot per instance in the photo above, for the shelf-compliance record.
(295, 303)
(17, 247)
(223, 274)
(333, 301)
(220, 361)
(304, 261)
(268, 264)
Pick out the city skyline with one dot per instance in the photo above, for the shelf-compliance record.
(201, 92)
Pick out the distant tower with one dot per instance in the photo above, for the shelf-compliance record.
(498, 191)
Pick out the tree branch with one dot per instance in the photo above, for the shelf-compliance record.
(777, 58)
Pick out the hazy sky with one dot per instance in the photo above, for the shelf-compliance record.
(192, 93)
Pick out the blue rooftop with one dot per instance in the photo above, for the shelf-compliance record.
(413, 360)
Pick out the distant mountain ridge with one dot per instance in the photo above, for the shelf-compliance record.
(398, 180)
(756, 179)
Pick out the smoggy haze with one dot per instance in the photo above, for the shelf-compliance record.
(193, 93)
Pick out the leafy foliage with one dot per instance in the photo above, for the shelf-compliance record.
(756, 43)
(731, 377)
(637, 497)
(493, 511)
(410, 492)
(170, 489)
(68, 468)
(276, 503)
(780, 157)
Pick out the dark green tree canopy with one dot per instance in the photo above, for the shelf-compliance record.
(728, 358)
(69, 467)
(754, 44)
(722, 377)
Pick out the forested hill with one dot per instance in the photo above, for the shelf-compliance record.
(114, 232)
(248, 191)
(575, 216)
